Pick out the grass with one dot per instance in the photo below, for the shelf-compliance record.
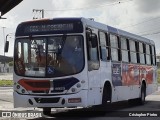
(6, 83)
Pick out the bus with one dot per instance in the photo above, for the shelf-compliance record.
(77, 62)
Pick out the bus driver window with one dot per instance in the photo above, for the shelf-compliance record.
(19, 62)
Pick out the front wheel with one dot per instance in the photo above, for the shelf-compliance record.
(106, 98)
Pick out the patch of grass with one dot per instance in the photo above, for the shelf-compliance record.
(6, 83)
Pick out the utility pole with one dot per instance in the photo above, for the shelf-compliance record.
(38, 11)
(4, 47)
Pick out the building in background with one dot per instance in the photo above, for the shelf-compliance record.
(6, 65)
(158, 60)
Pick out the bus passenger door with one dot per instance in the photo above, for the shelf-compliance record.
(93, 69)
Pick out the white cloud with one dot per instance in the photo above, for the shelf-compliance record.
(148, 6)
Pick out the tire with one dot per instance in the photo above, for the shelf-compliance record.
(106, 98)
(47, 111)
(106, 101)
(143, 95)
(141, 100)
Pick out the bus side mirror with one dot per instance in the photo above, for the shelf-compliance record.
(6, 46)
(94, 40)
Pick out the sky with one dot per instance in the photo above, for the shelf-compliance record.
(140, 17)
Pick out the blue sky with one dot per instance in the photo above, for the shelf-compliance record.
(137, 16)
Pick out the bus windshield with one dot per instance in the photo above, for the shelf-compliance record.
(52, 56)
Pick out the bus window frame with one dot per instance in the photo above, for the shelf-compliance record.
(88, 33)
(148, 54)
(121, 49)
(153, 54)
(106, 46)
(141, 52)
(135, 52)
(117, 48)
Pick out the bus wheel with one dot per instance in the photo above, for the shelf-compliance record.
(141, 99)
(107, 93)
(143, 95)
(47, 111)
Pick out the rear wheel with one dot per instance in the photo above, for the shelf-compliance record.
(47, 111)
(142, 99)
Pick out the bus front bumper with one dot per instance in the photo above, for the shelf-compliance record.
(72, 100)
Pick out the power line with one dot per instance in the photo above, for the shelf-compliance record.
(93, 6)
(150, 33)
(144, 32)
(142, 22)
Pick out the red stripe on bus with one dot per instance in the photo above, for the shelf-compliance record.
(35, 85)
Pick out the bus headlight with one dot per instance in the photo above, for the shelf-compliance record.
(19, 89)
(73, 89)
(78, 85)
(18, 86)
(23, 91)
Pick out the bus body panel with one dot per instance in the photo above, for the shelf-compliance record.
(23, 100)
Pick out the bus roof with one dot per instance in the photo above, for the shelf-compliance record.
(100, 26)
(117, 31)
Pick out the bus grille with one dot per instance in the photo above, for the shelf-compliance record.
(47, 100)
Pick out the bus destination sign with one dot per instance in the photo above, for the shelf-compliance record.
(55, 26)
(48, 27)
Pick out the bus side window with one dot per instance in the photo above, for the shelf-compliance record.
(104, 54)
(153, 55)
(124, 49)
(137, 51)
(133, 51)
(115, 56)
(148, 55)
(141, 53)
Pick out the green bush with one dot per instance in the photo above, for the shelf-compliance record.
(5, 83)
(10, 63)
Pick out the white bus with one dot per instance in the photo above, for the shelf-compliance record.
(77, 62)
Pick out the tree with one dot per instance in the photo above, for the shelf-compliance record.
(10, 63)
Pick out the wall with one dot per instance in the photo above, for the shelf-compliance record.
(6, 69)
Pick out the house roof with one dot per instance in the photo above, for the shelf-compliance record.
(7, 5)
(5, 59)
